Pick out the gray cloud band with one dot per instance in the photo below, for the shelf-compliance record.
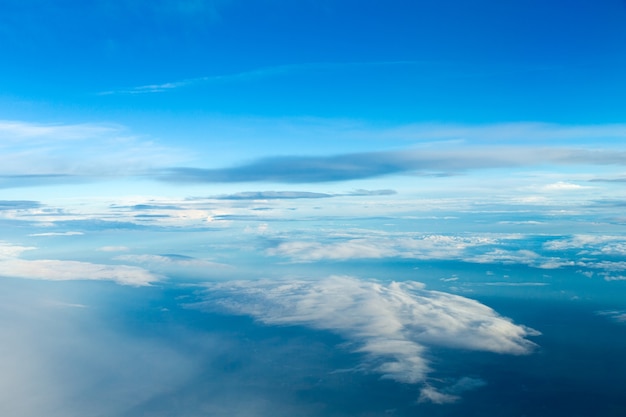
(313, 169)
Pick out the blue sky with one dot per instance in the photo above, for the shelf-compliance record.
(194, 191)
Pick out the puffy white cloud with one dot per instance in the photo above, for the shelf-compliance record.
(562, 186)
(392, 324)
(113, 249)
(522, 257)
(590, 244)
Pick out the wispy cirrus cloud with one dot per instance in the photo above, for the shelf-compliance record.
(42, 154)
(254, 74)
(392, 324)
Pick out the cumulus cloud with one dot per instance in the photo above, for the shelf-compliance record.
(520, 256)
(590, 244)
(562, 186)
(11, 265)
(392, 324)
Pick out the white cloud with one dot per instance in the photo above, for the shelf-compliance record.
(562, 186)
(590, 244)
(62, 270)
(424, 247)
(392, 324)
(8, 251)
(56, 152)
(176, 260)
(56, 270)
(522, 257)
(450, 394)
(56, 234)
(113, 249)
(619, 316)
(430, 394)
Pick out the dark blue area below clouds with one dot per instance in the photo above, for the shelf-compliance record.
(244, 368)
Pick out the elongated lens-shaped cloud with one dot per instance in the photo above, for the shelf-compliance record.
(393, 324)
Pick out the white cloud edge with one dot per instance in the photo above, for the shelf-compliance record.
(11, 265)
(392, 324)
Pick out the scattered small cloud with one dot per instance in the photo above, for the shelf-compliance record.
(562, 186)
(430, 394)
(423, 247)
(618, 316)
(113, 248)
(450, 394)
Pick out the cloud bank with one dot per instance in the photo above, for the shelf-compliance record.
(288, 195)
(11, 265)
(391, 324)
(315, 169)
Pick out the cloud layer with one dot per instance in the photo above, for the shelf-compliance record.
(391, 324)
(312, 169)
(11, 265)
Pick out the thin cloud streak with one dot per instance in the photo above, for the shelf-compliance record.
(254, 74)
(288, 195)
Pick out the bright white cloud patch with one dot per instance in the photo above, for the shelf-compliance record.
(393, 324)
(56, 234)
(562, 186)
(62, 270)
